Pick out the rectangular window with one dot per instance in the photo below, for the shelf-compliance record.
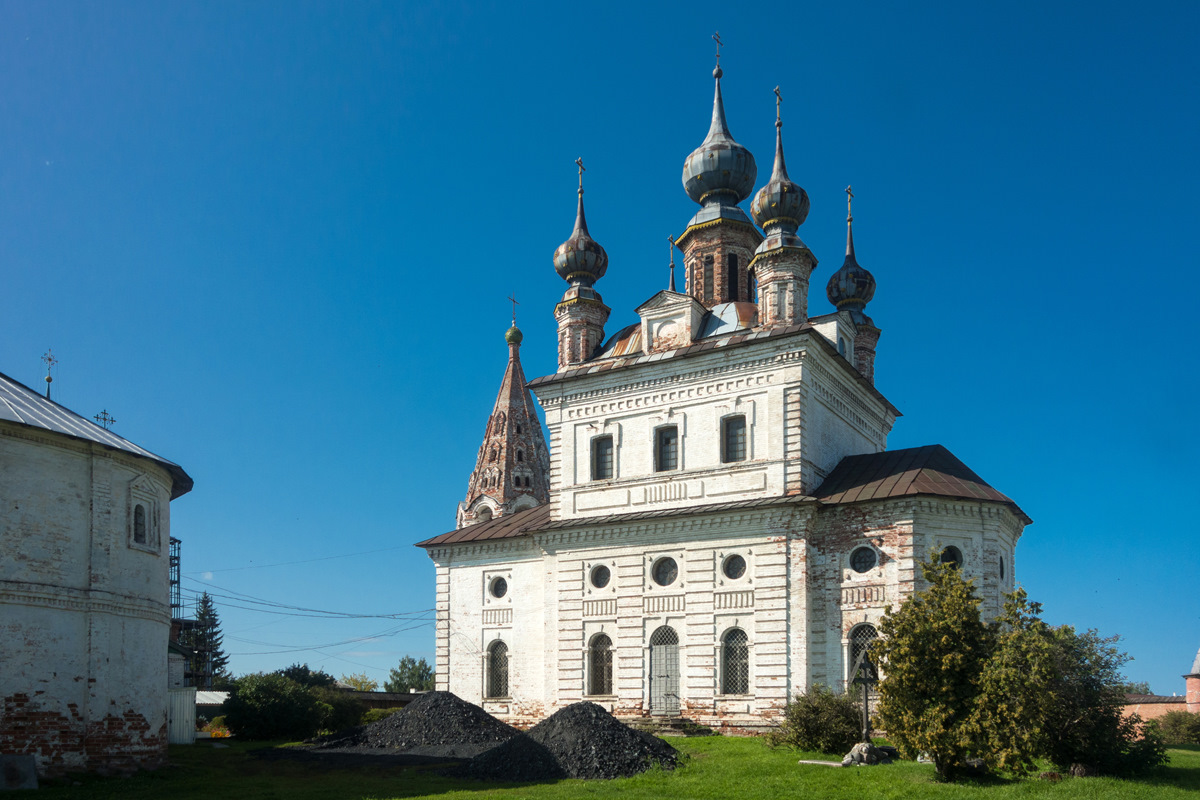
(666, 450)
(731, 276)
(602, 458)
(733, 439)
(708, 279)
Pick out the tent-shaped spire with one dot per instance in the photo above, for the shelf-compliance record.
(513, 467)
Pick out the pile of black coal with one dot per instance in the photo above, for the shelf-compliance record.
(580, 741)
(434, 724)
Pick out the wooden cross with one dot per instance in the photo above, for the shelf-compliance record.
(778, 100)
(515, 304)
(582, 170)
(104, 419)
(849, 197)
(717, 38)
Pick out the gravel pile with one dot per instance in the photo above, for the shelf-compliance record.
(434, 724)
(580, 741)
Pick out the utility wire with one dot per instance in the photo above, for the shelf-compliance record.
(304, 561)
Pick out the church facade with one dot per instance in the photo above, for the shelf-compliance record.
(716, 524)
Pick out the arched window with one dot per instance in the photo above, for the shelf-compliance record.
(600, 665)
(731, 276)
(735, 662)
(139, 524)
(952, 556)
(861, 639)
(751, 286)
(520, 456)
(497, 669)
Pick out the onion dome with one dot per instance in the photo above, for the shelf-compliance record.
(513, 335)
(781, 203)
(580, 259)
(720, 171)
(852, 286)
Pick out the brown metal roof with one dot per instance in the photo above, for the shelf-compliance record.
(505, 527)
(928, 470)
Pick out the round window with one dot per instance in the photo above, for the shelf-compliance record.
(952, 556)
(600, 576)
(499, 587)
(734, 567)
(863, 559)
(665, 571)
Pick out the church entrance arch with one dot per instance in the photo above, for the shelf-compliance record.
(664, 671)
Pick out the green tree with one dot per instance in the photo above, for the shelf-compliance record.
(1016, 689)
(410, 674)
(301, 674)
(208, 664)
(361, 682)
(822, 720)
(1136, 687)
(271, 706)
(932, 653)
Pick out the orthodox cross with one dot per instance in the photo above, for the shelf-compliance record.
(104, 419)
(717, 38)
(515, 304)
(778, 100)
(866, 674)
(50, 362)
(849, 197)
(582, 170)
(671, 239)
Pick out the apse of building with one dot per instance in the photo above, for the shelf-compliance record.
(84, 602)
(722, 525)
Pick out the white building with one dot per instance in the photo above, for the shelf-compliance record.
(725, 525)
(85, 524)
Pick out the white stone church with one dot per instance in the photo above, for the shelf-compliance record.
(716, 524)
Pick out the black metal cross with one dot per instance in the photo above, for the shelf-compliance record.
(778, 100)
(582, 170)
(717, 38)
(104, 419)
(515, 304)
(50, 362)
(849, 197)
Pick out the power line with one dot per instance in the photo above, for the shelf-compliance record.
(287, 609)
(303, 561)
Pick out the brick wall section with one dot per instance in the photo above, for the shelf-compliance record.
(1193, 693)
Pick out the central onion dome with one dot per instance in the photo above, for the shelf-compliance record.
(781, 202)
(852, 286)
(513, 335)
(720, 171)
(580, 259)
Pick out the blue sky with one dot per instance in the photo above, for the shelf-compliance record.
(274, 240)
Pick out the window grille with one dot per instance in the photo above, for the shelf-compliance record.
(139, 523)
(735, 439)
(665, 635)
(665, 571)
(667, 450)
(731, 276)
(735, 663)
(602, 458)
(861, 639)
(497, 677)
(600, 665)
(734, 567)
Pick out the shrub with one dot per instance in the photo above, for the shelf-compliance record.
(1178, 727)
(270, 706)
(376, 714)
(821, 720)
(344, 710)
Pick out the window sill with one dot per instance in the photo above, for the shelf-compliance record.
(601, 697)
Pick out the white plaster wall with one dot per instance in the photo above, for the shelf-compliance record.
(84, 614)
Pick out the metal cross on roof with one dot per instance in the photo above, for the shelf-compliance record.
(582, 170)
(104, 419)
(717, 38)
(849, 197)
(515, 304)
(50, 362)
(778, 100)
(671, 239)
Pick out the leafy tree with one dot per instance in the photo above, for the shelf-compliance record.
(271, 706)
(209, 663)
(821, 720)
(931, 654)
(301, 674)
(361, 682)
(410, 674)
(1086, 731)
(1179, 727)
(1137, 687)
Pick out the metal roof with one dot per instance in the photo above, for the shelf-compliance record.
(24, 406)
(506, 527)
(928, 470)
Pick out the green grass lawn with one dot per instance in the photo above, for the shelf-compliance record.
(717, 767)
